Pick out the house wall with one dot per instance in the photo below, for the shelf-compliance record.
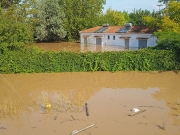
(133, 41)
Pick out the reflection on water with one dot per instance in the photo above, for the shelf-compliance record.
(76, 47)
(110, 98)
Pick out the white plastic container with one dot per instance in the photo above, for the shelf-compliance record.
(135, 110)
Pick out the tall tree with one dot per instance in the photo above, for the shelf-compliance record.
(114, 17)
(168, 31)
(8, 3)
(80, 14)
(173, 11)
(26, 12)
(166, 1)
(136, 17)
(15, 32)
(50, 21)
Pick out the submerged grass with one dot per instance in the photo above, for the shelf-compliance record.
(9, 108)
(61, 102)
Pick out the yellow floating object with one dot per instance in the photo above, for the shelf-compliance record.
(48, 106)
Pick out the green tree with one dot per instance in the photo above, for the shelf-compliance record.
(8, 3)
(166, 1)
(152, 22)
(173, 11)
(80, 14)
(26, 12)
(14, 32)
(114, 17)
(168, 41)
(50, 21)
(168, 21)
(137, 16)
(168, 32)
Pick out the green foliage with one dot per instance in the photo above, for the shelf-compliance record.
(80, 14)
(14, 33)
(152, 22)
(7, 3)
(173, 11)
(26, 12)
(137, 16)
(166, 1)
(50, 21)
(168, 20)
(35, 61)
(114, 17)
(168, 41)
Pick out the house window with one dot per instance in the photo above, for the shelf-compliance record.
(108, 37)
(113, 37)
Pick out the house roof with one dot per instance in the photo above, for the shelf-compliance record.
(114, 29)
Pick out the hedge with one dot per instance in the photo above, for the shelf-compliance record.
(35, 61)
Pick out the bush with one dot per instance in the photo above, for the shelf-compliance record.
(168, 41)
(14, 34)
(35, 61)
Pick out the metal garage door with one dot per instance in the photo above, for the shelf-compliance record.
(98, 41)
(126, 43)
(142, 44)
(85, 40)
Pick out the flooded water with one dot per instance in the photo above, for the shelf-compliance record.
(77, 47)
(54, 103)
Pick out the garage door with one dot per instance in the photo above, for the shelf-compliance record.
(85, 41)
(142, 44)
(126, 43)
(98, 41)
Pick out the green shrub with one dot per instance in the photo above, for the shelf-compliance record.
(35, 61)
(14, 33)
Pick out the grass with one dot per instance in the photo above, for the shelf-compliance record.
(8, 108)
(61, 102)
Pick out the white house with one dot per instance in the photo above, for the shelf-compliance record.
(127, 36)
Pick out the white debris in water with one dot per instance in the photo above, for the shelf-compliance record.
(135, 110)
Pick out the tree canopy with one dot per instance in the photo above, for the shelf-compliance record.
(114, 17)
(53, 20)
(137, 16)
(14, 31)
(168, 27)
(166, 1)
(50, 21)
(168, 19)
(8, 3)
(80, 14)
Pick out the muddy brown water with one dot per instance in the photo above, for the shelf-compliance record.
(77, 47)
(109, 96)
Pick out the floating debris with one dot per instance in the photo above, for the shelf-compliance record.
(135, 110)
(138, 112)
(48, 106)
(77, 131)
(87, 111)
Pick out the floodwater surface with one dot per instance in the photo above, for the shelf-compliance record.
(77, 47)
(54, 103)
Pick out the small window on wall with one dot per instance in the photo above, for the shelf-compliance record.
(113, 37)
(108, 37)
